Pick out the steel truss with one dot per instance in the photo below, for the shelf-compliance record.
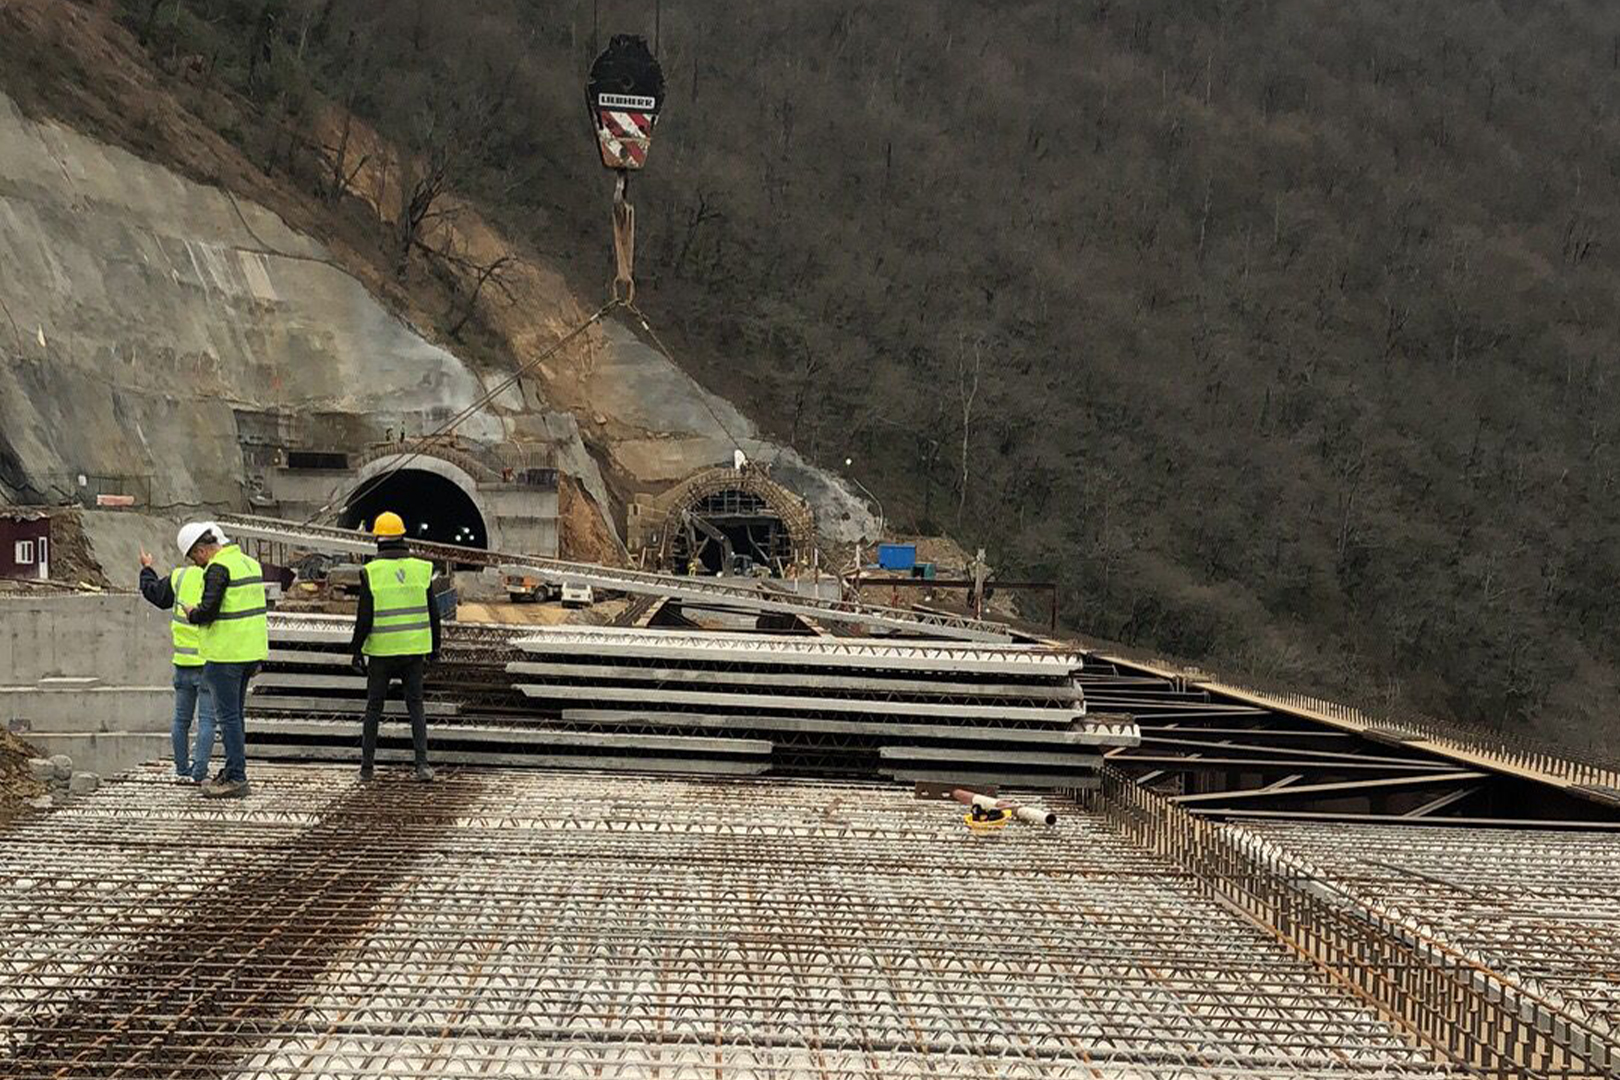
(583, 925)
(1221, 755)
(1541, 908)
(594, 697)
(1445, 992)
(304, 537)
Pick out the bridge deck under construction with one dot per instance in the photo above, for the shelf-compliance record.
(1541, 906)
(563, 924)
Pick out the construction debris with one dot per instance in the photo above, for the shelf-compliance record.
(18, 782)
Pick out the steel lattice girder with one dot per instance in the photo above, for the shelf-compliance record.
(844, 707)
(1537, 906)
(744, 594)
(575, 925)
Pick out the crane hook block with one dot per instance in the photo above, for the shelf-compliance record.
(624, 96)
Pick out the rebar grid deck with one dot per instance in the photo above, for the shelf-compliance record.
(1542, 907)
(507, 923)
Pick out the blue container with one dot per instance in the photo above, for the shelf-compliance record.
(897, 556)
(446, 601)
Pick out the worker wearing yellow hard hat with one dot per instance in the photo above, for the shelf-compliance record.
(388, 523)
(396, 633)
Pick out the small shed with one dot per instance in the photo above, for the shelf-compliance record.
(25, 543)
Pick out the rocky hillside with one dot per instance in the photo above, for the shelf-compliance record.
(166, 301)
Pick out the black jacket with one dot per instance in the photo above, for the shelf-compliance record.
(216, 579)
(157, 590)
(387, 549)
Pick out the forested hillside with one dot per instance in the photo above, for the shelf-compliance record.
(1283, 334)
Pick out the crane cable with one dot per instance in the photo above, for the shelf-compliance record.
(623, 289)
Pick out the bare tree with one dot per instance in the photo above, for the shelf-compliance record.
(967, 389)
(422, 181)
(702, 212)
(811, 363)
(482, 274)
(340, 174)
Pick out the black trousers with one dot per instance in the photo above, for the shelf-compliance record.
(381, 671)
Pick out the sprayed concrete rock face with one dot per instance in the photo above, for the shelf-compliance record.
(141, 311)
(675, 427)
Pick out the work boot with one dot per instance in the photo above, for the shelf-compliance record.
(227, 789)
(366, 775)
(424, 773)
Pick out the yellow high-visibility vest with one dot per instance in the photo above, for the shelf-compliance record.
(240, 634)
(399, 613)
(187, 582)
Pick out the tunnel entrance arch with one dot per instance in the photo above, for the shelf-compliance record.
(437, 498)
(726, 513)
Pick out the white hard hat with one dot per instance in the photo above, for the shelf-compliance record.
(193, 531)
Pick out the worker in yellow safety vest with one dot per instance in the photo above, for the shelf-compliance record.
(396, 635)
(184, 585)
(234, 640)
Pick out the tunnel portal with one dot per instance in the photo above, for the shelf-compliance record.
(719, 517)
(434, 508)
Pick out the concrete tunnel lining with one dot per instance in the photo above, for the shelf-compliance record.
(426, 491)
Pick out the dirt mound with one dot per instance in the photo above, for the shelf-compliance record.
(16, 785)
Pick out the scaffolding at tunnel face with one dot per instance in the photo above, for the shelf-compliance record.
(526, 924)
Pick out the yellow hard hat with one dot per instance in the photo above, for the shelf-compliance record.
(388, 523)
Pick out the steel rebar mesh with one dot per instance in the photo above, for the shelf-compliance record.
(511, 923)
(1542, 906)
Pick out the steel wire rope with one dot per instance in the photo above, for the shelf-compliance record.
(419, 446)
(664, 351)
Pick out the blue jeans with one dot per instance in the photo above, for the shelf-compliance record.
(229, 685)
(191, 695)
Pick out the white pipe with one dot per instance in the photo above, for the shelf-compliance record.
(1035, 815)
(1032, 815)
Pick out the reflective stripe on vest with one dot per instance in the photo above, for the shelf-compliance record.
(187, 582)
(239, 634)
(399, 607)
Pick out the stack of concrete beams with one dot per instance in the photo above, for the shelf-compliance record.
(736, 704)
(924, 711)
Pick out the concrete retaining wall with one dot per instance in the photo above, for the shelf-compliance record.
(120, 639)
(33, 711)
(106, 753)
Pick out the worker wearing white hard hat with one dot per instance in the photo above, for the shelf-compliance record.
(234, 640)
(189, 534)
(183, 588)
